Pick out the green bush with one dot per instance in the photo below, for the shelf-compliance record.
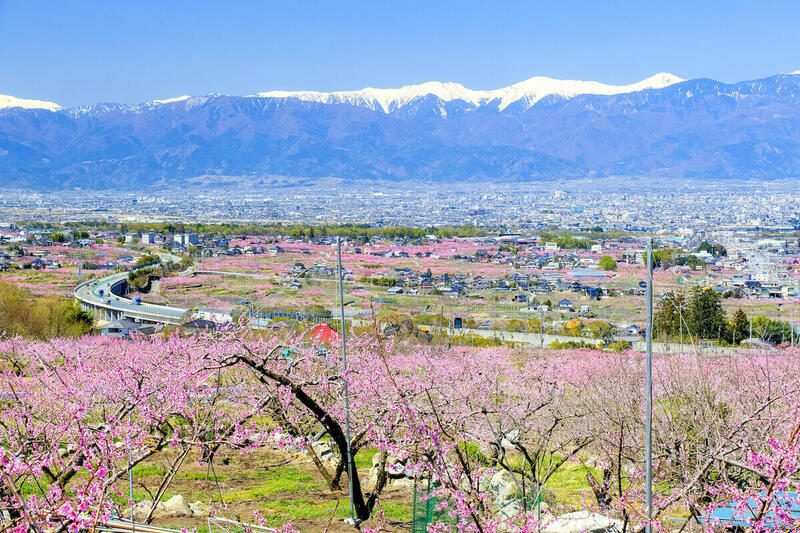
(619, 346)
(571, 345)
(607, 263)
(473, 451)
(41, 317)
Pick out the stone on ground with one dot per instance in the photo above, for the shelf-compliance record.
(174, 507)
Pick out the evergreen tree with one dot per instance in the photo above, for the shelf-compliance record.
(668, 317)
(771, 330)
(707, 319)
(740, 326)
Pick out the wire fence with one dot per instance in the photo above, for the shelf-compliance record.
(428, 508)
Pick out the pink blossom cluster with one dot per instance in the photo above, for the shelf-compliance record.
(725, 427)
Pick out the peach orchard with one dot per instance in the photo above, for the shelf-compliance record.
(74, 410)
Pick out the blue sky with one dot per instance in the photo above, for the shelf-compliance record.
(83, 52)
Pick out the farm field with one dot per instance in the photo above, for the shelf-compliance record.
(293, 277)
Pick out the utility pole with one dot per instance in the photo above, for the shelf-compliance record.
(649, 391)
(344, 375)
(541, 331)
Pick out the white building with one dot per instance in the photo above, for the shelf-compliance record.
(186, 239)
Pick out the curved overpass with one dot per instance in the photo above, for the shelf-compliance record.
(104, 298)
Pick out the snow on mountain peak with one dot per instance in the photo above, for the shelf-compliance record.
(536, 88)
(530, 91)
(169, 100)
(10, 101)
(385, 99)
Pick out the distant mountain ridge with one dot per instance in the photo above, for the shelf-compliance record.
(539, 129)
(529, 91)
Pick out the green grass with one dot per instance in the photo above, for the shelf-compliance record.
(145, 470)
(283, 479)
(363, 458)
(397, 511)
(234, 476)
(279, 511)
(569, 482)
(29, 488)
(287, 493)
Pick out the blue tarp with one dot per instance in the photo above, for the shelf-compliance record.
(734, 515)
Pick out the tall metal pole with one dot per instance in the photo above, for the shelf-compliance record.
(344, 371)
(541, 331)
(130, 468)
(649, 391)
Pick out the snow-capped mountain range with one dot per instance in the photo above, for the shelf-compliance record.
(538, 129)
(529, 91)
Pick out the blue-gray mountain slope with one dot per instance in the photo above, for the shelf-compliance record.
(698, 129)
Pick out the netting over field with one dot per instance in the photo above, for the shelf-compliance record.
(426, 508)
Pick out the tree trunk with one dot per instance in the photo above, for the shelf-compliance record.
(168, 477)
(362, 509)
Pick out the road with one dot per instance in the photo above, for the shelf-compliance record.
(544, 340)
(98, 296)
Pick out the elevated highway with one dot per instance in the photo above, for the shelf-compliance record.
(105, 298)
